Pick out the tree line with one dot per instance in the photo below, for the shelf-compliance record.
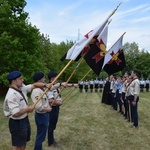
(24, 48)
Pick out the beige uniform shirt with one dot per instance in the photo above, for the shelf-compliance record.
(14, 102)
(54, 95)
(43, 103)
(128, 93)
(135, 87)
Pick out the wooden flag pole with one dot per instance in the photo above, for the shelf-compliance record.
(85, 75)
(68, 94)
(74, 71)
(78, 83)
(52, 83)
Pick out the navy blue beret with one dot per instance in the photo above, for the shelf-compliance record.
(52, 74)
(37, 76)
(14, 75)
(128, 73)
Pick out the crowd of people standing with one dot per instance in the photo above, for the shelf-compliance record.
(122, 93)
(95, 85)
(91, 85)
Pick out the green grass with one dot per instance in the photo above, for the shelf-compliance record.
(87, 124)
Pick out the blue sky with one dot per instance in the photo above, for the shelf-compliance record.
(63, 19)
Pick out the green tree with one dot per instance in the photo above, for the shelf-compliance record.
(137, 59)
(144, 64)
(132, 53)
(20, 42)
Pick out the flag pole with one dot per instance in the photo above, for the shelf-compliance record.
(85, 75)
(68, 80)
(78, 83)
(115, 10)
(52, 83)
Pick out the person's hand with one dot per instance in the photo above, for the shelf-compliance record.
(49, 85)
(75, 85)
(30, 109)
(48, 109)
(52, 100)
(59, 103)
(64, 84)
(134, 103)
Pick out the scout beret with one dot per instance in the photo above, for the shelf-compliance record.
(52, 74)
(13, 75)
(37, 76)
(128, 73)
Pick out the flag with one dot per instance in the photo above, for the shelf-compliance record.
(75, 52)
(95, 56)
(86, 48)
(82, 46)
(114, 60)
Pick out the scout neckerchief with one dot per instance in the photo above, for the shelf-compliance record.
(43, 91)
(133, 80)
(21, 94)
(58, 92)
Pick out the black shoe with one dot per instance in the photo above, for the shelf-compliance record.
(55, 143)
(52, 145)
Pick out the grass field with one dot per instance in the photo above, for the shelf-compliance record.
(87, 124)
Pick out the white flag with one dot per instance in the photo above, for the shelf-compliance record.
(76, 49)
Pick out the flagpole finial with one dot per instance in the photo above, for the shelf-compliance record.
(115, 9)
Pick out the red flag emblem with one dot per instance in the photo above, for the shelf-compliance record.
(87, 47)
(115, 57)
(102, 52)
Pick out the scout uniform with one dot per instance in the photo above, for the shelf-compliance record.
(41, 116)
(134, 90)
(91, 85)
(54, 114)
(15, 100)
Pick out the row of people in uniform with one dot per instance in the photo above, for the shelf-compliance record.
(92, 85)
(144, 84)
(46, 110)
(122, 93)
